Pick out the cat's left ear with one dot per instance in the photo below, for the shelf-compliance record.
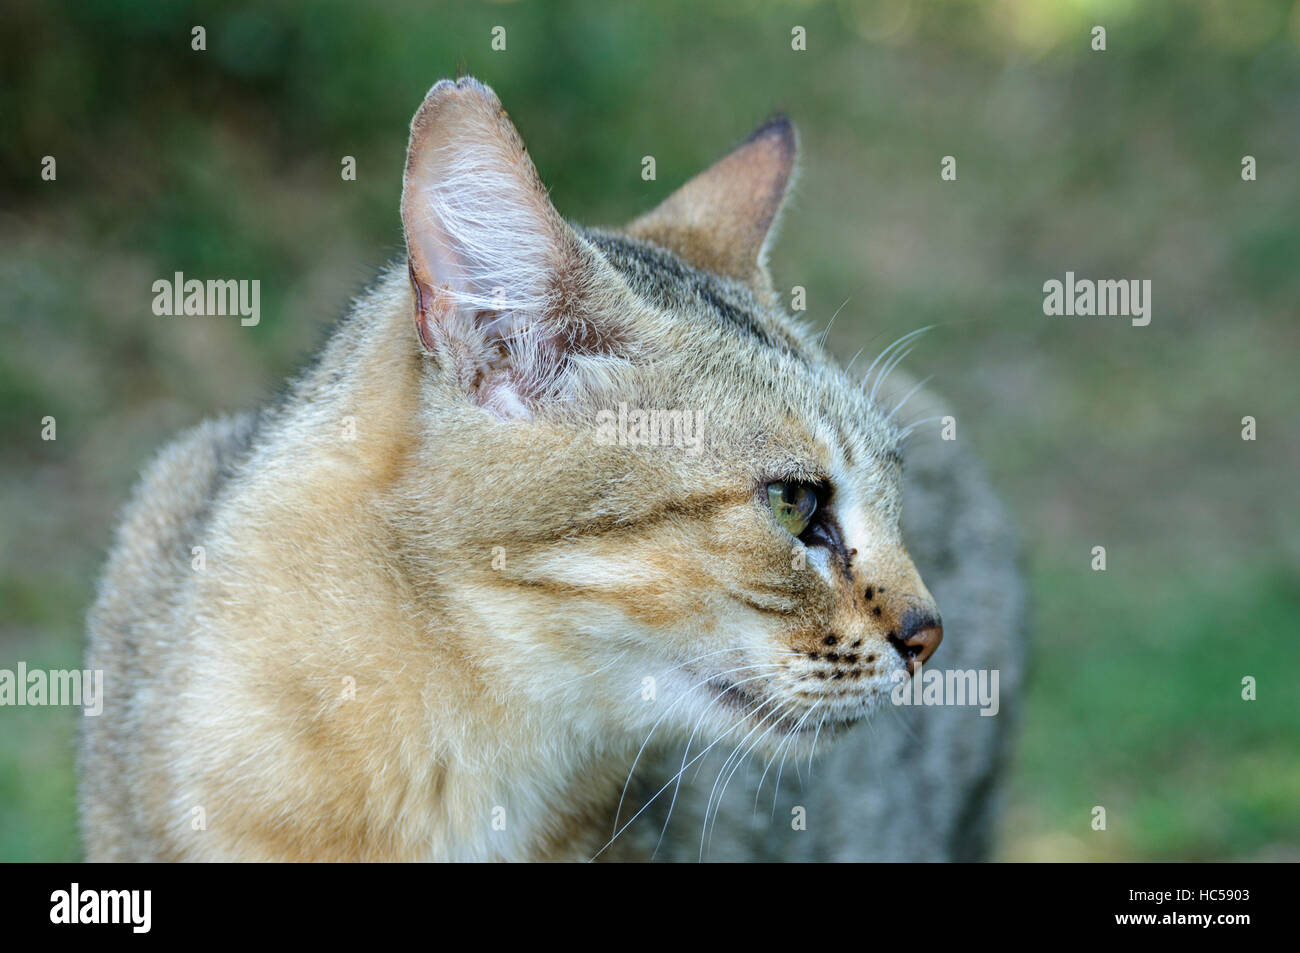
(723, 219)
(511, 302)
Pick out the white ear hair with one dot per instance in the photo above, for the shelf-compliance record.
(504, 289)
(478, 223)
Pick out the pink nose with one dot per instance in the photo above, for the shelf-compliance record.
(921, 635)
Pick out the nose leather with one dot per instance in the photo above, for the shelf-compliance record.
(919, 636)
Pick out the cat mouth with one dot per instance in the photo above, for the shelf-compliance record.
(758, 708)
(732, 694)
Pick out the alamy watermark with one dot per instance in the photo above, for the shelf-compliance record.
(945, 688)
(55, 687)
(131, 908)
(1106, 297)
(650, 427)
(217, 296)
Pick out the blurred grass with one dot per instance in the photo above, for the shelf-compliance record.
(1161, 736)
(1124, 164)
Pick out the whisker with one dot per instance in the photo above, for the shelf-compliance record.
(652, 798)
(680, 698)
(883, 354)
(597, 671)
(776, 791)
(910, 729)
(708, 828)
(707, 655)
(907, 431)
(899, 405)
(779, 713)
(886, 370)
(816, 735)
(784, 740)
(689, 741)
(708, 807)
(677, 786)
(821, 340)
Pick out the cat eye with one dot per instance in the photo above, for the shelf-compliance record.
(793, 505)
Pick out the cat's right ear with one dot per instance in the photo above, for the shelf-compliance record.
(502, 286)
(723, 220)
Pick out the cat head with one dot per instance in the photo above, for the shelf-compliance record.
(651, 495)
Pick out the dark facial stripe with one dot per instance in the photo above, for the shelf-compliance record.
(656, 274)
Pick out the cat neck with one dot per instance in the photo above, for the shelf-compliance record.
(503, 769)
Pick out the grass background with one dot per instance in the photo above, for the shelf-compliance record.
(225, 163)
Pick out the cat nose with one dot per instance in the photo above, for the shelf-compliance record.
(920, 634)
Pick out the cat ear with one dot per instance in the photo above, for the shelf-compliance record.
(722, 219)
(503, 287)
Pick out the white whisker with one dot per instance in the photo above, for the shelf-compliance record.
(907, 431)
(776, 791)
(822, 338)
(884, 354)
(596, 671)
(888, 368)
(899, 405)
(652, 798)
(684, 695)
(708, 828)
(816, 735)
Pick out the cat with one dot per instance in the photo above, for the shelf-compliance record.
(426, 606)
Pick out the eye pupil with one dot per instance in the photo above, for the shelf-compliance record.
(793, 505)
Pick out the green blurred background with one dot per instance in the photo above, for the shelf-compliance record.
(1126, 163)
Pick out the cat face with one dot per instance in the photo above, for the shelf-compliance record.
(691, 515)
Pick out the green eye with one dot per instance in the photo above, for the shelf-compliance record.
(793, 505)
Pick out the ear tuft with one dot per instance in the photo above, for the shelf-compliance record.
(722, 220)
(514, 305)
(477, 219)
